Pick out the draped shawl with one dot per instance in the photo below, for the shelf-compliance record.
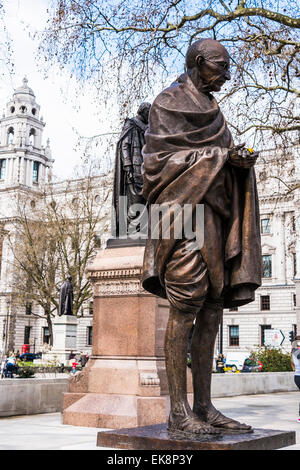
(186, 162)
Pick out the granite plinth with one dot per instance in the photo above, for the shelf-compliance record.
(157, 437)
(124, 382)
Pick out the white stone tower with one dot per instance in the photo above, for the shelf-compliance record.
(23, 159)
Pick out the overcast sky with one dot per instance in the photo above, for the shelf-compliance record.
(65, 114)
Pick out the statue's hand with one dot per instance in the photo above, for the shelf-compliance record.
(242, 157)
(129, 174)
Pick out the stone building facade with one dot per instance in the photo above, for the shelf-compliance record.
(278, 176)
(26, 169)
(26, 172)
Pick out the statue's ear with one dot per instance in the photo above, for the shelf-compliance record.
(199, 60)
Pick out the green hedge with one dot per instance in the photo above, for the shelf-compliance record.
(273, 360)
(25, 372)
(28, 369)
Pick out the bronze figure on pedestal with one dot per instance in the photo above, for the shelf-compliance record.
(128, 181)
(190, 158)
(66, 298)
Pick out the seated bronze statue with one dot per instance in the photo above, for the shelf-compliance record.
(190, 158)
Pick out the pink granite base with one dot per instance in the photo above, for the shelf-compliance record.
(113, 411)
(124, 382)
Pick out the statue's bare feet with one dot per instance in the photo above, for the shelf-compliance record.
(216, 419)
(191, 424)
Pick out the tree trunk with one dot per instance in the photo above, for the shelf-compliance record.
(49, 324)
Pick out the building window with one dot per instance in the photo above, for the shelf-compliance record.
(91, 308)
(267, 265)
(32, 137)
(28, 308)
(2, 168)
(263, 328)
(265, 302)
(46, 335)
(294, 300)
(265, 225)
(294, 264)
(234, 336)
(10, 136)
(27, 334)
(97, 241)
(35, 175)
(89, 335)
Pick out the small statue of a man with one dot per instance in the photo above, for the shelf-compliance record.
(128, 179)
(66, 298)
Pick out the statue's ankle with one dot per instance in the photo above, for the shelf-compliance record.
(179, 411)
(202, 409)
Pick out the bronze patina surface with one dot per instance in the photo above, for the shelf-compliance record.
(128, 180)
(66, 298)
(190, 158)
(157, 437)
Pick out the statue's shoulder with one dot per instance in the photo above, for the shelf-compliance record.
(128, 123)
(127, 127)
(170, 94)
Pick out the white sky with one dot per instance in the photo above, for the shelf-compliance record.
(61, 108)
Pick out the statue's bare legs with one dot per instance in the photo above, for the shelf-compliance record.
(181, 416)
(202, 354)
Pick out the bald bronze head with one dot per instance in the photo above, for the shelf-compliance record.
(143, 111)
(207, 64)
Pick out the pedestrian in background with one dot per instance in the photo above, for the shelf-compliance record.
(295, 359)
(220, 364)
(10, 366)
(74, 364)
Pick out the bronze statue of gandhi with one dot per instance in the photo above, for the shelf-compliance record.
(190, 158)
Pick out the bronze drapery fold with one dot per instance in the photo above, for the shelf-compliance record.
(187, 147)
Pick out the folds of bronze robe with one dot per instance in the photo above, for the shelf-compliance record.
(186, 162)
(128, 153)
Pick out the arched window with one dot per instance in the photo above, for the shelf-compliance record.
(32, 135)
(35, 176)
(10, 135)
(2, 168)
(23, 109)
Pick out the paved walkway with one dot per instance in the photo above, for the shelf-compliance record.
(277, 411)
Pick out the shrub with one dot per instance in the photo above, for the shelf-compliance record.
(273, 360)
(25, 372)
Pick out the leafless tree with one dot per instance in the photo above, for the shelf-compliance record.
(57, 239)
(141, 45)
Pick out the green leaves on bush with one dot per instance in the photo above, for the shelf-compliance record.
(25, 372)
(273, 360)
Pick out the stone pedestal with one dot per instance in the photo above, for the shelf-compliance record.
(124, 383)
(64, 337)
(157, 437)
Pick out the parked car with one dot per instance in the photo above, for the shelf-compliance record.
(251, 365)
(235, 360)
(30, 356)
